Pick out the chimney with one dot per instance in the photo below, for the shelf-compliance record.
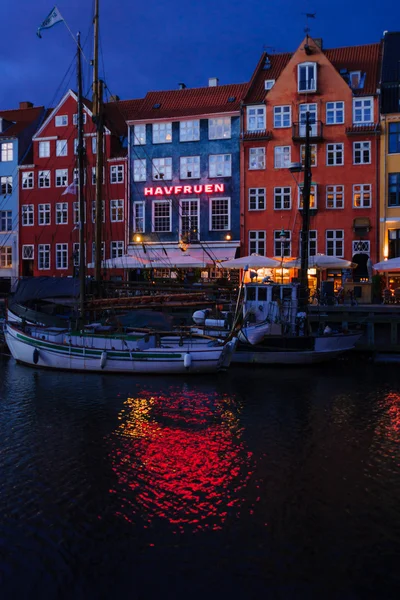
(114, 99)
(25, 104)
(213, 81)
(318, 42)
(182, 86)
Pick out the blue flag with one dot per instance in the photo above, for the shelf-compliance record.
(53, 18)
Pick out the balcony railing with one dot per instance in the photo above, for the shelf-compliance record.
(299, 131)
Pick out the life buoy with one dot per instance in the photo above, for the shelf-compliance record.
(36, 356)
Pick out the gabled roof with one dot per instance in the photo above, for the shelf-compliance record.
(366, 59)
(191, 102)
(118, 113)
(20, 119)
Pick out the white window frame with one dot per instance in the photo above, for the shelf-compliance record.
(103, 251)
(220, 128)
(62, 256)
(117, 249)
(257, 197)
(61, 213)
(61, 177)
(162, 168)
(285, 245)
(103, 211)
(61, 120)
(214, 162)
(212, 204)
(334, 240)
(44, 149)
(44, 214)
(6, 218)
(280, 113)
(153, 210)
(337, 192)
(190, 202)
(359, 148)
(189, 131)
(116, 211)
(94, 175)
(43, 253)
(75, 118)
(185, 167)
(139, 169)
(75, 176)
(312, 108)
(314, 154)
(6, 257)
(28, 215)
(256, 118)
(309, 87)
(162, 133)
(313, 197)
(281, 192)
(136, 218)
(257, 242)
(365, 191)
(61, 147)
(117, 173)
(43, 177)
(337, 154)
(269, 84)
(334, 109)
(259, 158)
(361, 107)
(139, 135)
(312, 237)
(6, 185)
(28, 252)
(7, 152)
(282, 157)
(27, 180)
(75, 212)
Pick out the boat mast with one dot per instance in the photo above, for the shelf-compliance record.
(303, 291)
(81, 199)
(98, 120)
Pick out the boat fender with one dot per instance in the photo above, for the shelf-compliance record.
(187, 361)
(103, 359)
(36, 356)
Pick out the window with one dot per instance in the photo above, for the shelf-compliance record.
(189, 218)
(44, 214)
(162, 168)
(139, 135)
(43, 257)
(103, 251)
(282, 247)
(257, 199)
(44, 149)
(334, 196)
(27, 180)
(76, 146)
(94, 145)
(61, 256)
(220, 214)
(139, 169)
(219, 129)
(256, 118)
(257, 242)
(117, 249)
(189, 131)
(394, 189)
(61, 177)
(282, 198)
(190, 167)
(361, 153)
(76, 175)
(312, 110)
(162, 216)
(61, 120)
(61, 213)
(94, 175)
(28, 214)
(117, 210)
(162, 133)
(256, 158)
(282, 116)
(307, 77)
(6, 185)
(7, 152)
(28, 252)
(363, 110)
(394, 138)
(334, 155)
(138, 217)
(281, 157)
(269, 84)
(313, 152)
(5, 257)
(334, 113)
(355, 79)
(5, 220)
(220, 165)
(75, 207)
(61, 148)
(103, 211)
(334, 242)
(313, 197)
(117, 174)
(75, 118)
(362, 195)
(44, 179)
(312, 242)
(75, 254)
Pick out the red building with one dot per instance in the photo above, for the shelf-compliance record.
(338, 87)
(49, 217)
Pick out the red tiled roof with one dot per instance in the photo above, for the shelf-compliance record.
(118, 113)
(365, 58)
(21, 118)
(192, 101)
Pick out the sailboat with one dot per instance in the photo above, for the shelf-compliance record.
(94, 347)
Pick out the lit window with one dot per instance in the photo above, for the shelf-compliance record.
(5, 257)
(334, 196)
(313, 153)
(313, 197)
(307, 77)
(189, 131)
(103, 211)
(219, 129)
(362, 195)
(162, 133)
(139, 135)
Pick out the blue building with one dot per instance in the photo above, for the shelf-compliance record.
(184, 154)
(16, 130)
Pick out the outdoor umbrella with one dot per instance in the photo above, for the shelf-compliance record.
(393, 264)
(322, 262)
(254, 261)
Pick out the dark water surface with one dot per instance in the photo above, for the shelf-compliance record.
(260, 483)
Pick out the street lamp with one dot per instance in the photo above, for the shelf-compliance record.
(282, 237)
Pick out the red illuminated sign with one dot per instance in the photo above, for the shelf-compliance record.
(209, 188)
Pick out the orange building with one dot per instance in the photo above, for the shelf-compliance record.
(338, 87)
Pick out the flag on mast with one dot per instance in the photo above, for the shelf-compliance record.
(52, 19)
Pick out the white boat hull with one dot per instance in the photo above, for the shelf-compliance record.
(187, 358)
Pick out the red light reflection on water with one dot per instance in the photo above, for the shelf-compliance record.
(180, 457)
(389, 424)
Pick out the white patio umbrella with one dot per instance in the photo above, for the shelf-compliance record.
(177, 262)
(254, 261)
(322, 262)
(392, 264)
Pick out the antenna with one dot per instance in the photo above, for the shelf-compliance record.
(307, 28)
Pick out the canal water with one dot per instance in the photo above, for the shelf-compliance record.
(259, 483)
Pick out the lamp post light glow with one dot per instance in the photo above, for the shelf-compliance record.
(282, 237)
(138, 238)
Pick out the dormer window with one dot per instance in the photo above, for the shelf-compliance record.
(256, 118)
(269, 83)
(355, 79)
(307, 77)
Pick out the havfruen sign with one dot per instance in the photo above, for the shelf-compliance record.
(173, 190)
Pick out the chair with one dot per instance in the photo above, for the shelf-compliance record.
(387, 296)
(397, 295)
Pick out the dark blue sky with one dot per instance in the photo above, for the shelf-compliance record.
(156, 44)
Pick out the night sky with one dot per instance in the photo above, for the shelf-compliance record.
(154, 45)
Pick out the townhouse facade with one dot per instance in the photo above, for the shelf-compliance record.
(16, 130)
(339, 90)
(49, 212)
(185, 174)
